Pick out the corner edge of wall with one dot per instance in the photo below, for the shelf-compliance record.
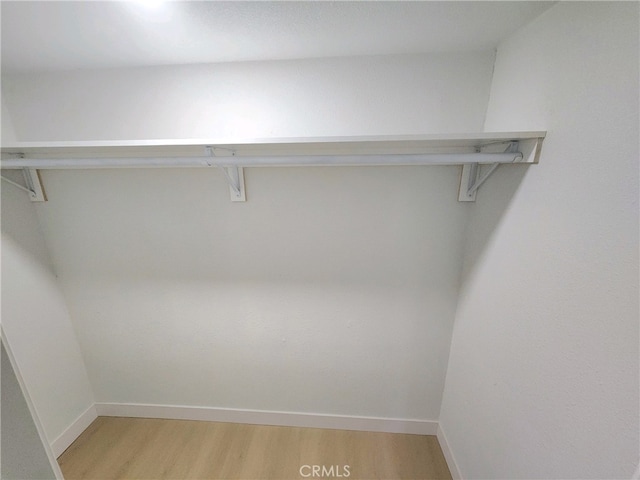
(73, 431)
(448, 454)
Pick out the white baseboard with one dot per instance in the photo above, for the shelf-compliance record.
(260, 417)
(448, 454)
(73, 431)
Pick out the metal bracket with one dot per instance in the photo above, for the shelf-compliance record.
(471, 180)
(235, 178)
(33, 184)
(468, 178)
(232, 174)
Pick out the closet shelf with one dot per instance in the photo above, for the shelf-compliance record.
(362, 145)
(469, 150)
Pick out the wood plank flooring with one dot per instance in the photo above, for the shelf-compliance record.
(139, 448)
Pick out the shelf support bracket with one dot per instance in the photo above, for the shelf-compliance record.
(471, 179)
(468, 179)
(18, 185)
(233, 175)
(33, 184)
(235, 178)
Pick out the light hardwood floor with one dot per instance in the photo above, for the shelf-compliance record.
(180, 449)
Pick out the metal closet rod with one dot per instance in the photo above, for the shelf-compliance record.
(266, 161)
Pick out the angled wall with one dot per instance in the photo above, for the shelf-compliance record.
(36, 320)
(543, 375)
(23, 454)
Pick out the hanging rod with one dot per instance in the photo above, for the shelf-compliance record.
(270, 161)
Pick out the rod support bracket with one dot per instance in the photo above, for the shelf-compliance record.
(33, 185)
(233, 174)
(468, 178)
(472, 179)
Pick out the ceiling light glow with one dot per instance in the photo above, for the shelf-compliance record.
(150, 4)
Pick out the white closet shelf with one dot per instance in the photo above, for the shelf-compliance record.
(470, 150)
(361, 145)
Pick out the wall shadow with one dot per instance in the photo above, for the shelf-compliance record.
(492, 203)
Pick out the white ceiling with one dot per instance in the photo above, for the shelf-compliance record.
(46, 36)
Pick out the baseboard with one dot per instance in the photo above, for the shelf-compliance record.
(448, 454)
(260, 417)
(256, 417)
(73, 431)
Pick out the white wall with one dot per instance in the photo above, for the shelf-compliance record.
(339, 96)
(23, 454)
(543, 374)
(36, 320)
(332, 290)
(8, 133)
